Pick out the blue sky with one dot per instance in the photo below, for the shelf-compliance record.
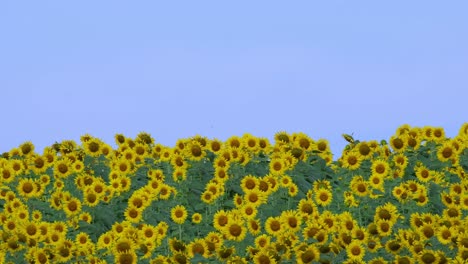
(175, 69)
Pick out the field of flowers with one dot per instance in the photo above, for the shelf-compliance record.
(243, 200)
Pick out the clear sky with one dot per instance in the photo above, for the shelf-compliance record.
(175, 69)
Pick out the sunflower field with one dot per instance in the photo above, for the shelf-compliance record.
(243, 200)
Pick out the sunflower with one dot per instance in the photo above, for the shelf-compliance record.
(387, 211)
(384, 227)
(347, 222)
(273, 182)
(307, 208)
(376, 181)
(38, 164)
(250, 142)
(262, 241)
(224, 252)
(26, 149)
(83, 239)
(178, 161)
(255, 197)
(194, 150)
(234, 230)
(27, 188)
(351, 160)
(421, 198)
(133, 214)
(179, 214)
(72, 207)
(198, 246)
(263, 256)
(220, 219)
(428, 256)
(400, 160)
(122, 166)
(207, 197)
(141, 151)
(355, 250)
(285, 181)
(291, 221)
(214, 188)
(197, 218)
(308, 255)
(423, 174)
(221, 174)
(41, 256)
(249, 211)
(445, 234)
(253, 225)
(380, 167)
(303, 141)
(282, 137)
(86, 217)
(359, 186)
(293, 190)
(323, 197)
(214, 145)
(31, 230)
(92, 147)
(63, 253)
(446, 152)
(274, 226)
(398, 143)
(277, 166)
(62, 168)
(220, 162)
(179, 174)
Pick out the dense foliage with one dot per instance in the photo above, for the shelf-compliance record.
(243, 200)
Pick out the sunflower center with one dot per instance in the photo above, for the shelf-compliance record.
(235, 230)
(28, 187)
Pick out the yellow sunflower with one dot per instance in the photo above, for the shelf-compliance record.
(234, 230)
(92, 147)
(355, 250)
(380, 167)
(62, 168)
(197, 218)
(133, 214)
(446, 152)
(27, 188)
(351, 160)
(274, 226)
(179, 214)
(291, 221)
(220, 219)
(198, 246)
(308, 255)
(323, 197)
(72, 207)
